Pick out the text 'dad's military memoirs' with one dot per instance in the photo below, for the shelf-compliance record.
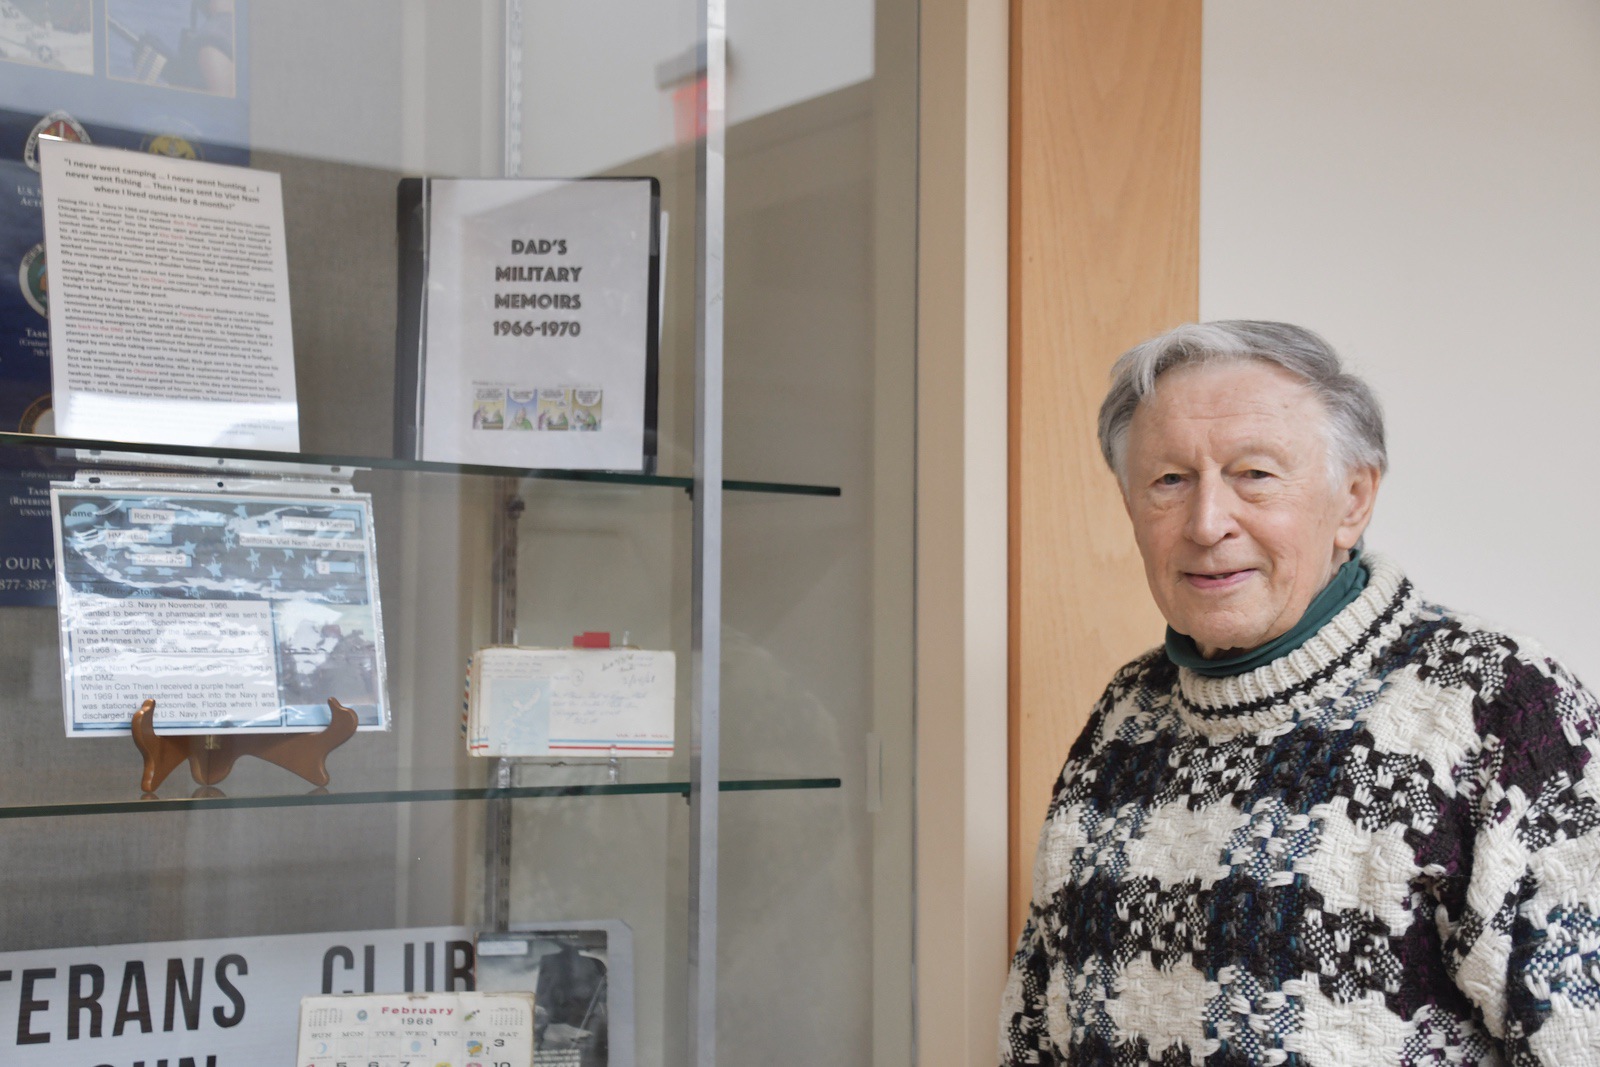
(529, 322)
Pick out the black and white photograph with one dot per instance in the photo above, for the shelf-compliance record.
(55, 34)
(581, 976)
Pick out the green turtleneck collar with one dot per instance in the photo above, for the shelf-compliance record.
(1347, 584)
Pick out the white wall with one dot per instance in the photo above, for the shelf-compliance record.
(1417, 181)
(402, 85)
(590, 98)
(417, 86)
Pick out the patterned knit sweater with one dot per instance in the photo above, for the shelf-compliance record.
(1381, 848)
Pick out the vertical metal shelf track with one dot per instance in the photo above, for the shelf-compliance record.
(705, 755)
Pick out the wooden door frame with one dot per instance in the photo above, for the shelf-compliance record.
(1105, 251)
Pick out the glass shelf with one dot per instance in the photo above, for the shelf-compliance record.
(77, 453)
(215, 798)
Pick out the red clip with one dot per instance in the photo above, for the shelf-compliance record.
(592, 639)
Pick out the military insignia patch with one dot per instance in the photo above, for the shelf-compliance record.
(56, 124)
(34, 279)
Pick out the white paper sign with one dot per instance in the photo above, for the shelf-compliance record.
(538, 323)
(226, 1002)
(169, 300)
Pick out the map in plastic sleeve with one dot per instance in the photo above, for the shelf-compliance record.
(234, 612)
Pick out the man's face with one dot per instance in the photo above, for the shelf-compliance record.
(1233, 505)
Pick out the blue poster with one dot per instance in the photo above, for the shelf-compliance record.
(27, 554)
(164, 76)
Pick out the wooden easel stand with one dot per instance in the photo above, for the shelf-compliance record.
(212, 756)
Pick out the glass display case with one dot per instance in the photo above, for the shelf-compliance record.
(762, 870)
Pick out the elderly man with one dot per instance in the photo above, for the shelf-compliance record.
(1329, 823)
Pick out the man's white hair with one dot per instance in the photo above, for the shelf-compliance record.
(1355, 420)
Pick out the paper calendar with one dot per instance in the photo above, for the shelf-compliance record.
(417, 1030)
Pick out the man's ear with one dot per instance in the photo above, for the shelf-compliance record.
(1359, 496)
